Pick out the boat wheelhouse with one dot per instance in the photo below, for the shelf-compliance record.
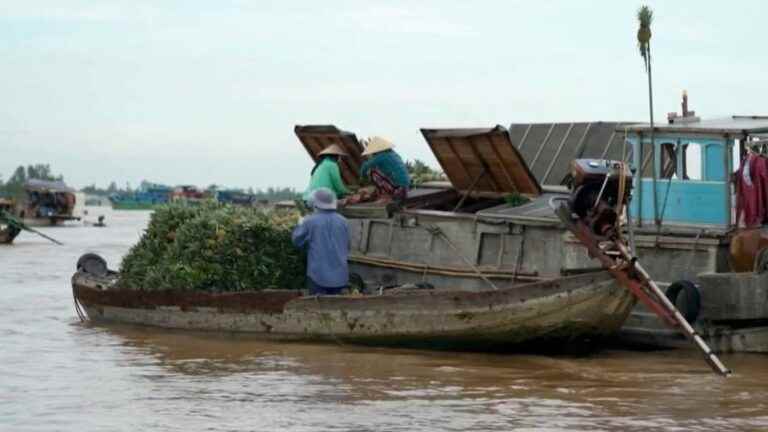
(685, 227)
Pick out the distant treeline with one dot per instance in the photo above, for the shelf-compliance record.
(14, 186)
(421, 172)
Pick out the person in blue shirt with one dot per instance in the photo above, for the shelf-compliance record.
(325, 235)
(386, 170)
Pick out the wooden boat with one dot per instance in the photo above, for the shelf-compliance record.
(46, 203)
(586, 305)
(8, 231)
(491, 291)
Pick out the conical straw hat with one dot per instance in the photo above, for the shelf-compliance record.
(333, 149)
(377, 144)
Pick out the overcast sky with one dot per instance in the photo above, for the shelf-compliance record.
(208, 92)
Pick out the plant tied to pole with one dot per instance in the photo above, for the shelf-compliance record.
(644, 18)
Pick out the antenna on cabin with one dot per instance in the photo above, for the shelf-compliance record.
(686, 116)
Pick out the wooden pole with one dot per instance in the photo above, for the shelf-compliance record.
(653, 141)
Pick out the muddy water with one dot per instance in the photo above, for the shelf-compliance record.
(59, 374)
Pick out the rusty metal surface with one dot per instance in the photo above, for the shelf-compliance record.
(315, 138)
(548, 148)
(481, 159)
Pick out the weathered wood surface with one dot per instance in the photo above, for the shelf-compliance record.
(317, 138)
(481, 159)
(585, 305)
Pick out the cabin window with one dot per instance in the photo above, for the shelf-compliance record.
(692, 162)
(668, 160)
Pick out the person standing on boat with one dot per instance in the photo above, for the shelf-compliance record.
(325, 235)
(386, 170)
(326, 174)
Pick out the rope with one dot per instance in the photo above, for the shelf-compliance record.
(519, 260)
(78, 311)
(622, 189)
(434, 230)
(666, 196)
(689, 268)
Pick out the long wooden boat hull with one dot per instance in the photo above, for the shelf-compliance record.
(573, 307)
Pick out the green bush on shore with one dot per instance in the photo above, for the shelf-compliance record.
(215, 247)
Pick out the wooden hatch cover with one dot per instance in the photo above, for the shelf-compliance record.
(316, 138)
(482, 160)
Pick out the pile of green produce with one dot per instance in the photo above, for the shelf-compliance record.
(215, 247)
(516, 200)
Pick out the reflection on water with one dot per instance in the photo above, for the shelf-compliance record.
(59, 374)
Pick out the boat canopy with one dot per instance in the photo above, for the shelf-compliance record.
(47, 186)
(549, 148)
(316, 138)
(482, 160)
(737, 126)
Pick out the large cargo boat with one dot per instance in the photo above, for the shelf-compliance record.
(495, 268)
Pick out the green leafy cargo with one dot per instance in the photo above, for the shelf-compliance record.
(215, 248)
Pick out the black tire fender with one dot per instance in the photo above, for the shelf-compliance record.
(692, 298)
(93, 264)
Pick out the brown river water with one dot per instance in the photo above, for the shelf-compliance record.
(58, 374)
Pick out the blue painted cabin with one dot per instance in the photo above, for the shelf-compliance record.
(689, 162)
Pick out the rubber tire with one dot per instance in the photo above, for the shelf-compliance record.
(761, 261)
(692, 296)
(93, 264)
(356, 281)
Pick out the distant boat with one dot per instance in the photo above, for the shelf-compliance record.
(235, 197)
(146, 198)
(46, 203)
(8, 231)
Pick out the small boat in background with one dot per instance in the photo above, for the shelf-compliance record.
(8, 230)
(46, 203)
(234, 196)
(147, 197)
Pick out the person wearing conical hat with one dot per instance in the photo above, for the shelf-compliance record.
(386, 170)
(325, 236)
(327, 174)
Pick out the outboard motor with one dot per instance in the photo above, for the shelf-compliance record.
(599, 190)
